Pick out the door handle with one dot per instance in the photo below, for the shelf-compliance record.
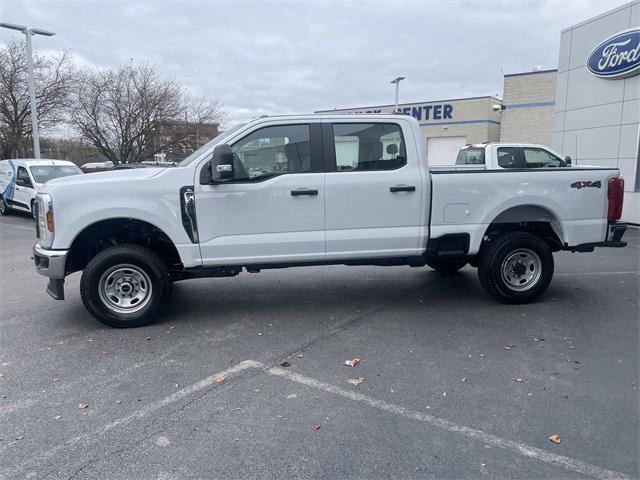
(402, 188)
(297, 193)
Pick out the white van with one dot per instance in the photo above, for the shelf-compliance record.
(21, 177)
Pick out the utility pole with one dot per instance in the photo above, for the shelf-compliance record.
(397, 81)
(29, 32)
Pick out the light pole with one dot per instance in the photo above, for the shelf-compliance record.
(397, 81)
(28, 32)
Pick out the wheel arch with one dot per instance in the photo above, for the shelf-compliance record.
(104, 233)
(533, 218)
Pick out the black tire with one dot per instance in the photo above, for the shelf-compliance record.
(4, 208)
(112, 278)
(446, 265)
(516, 267)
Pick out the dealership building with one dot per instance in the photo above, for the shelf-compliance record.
(588, 108)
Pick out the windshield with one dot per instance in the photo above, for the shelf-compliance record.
(208, 145)
(44, 173)
(470, 156)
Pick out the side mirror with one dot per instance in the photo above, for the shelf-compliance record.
(20, 182)
(220, 168)
(567, 161)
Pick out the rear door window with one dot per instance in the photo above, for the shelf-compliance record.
(368, 146)
(509, 157)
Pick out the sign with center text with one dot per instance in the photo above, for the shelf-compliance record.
(618, 56)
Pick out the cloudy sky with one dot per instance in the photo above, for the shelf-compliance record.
(268, 57)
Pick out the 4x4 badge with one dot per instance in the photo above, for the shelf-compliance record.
(586, 184)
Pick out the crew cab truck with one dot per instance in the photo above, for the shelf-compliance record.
(510, 155)
(315, 190)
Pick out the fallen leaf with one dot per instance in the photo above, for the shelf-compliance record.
(285, 364)
(428, 407)
(316, 426)
(148, 338)
(355, 381)
(482, 355)
(172, 328)
(57, 417)
(300, 355)
(352, 363)
(20, 437)
(509, 346)
(444, 394)
(291, 395)
(118, 402)
(219, 378)
(464, 379)
(519, 380)
(555, 438)
(82, 406)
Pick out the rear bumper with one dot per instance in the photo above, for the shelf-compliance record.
(615, 231)
(52, 264)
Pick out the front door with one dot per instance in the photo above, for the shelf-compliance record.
(273, 209)
(373, 191)
(23, 191)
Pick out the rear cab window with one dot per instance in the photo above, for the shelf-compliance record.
(470, 156)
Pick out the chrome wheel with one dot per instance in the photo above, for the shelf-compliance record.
(521, 269)
(125, 288)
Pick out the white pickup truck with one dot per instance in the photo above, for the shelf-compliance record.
(316, 190)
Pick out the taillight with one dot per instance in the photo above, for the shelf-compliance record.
(616, 198)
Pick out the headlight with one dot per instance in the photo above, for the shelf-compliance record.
(45, 220)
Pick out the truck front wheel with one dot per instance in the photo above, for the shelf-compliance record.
(516, 267)
(124, 286)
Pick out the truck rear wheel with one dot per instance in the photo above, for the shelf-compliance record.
(125, 285)
(446, 265)
(516, 267)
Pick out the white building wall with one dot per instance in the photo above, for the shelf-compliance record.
(597, 121)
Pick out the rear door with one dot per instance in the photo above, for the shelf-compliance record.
(273, 211)
(373, 190)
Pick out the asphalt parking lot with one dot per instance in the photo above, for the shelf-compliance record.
(455, 385)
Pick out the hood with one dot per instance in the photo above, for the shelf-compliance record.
(115, 176)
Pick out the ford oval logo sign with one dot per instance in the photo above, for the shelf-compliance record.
(618, 56)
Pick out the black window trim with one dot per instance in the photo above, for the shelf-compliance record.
(315, 146)
(328, 142)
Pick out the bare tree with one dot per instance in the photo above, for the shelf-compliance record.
(121, 111)
(54, 78)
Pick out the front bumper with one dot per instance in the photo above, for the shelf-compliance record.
(615, 231)
(52, 264)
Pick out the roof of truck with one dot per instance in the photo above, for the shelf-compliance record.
(43, 161)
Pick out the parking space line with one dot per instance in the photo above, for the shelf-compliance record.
(523, 449)
(147, 409)
(586, 274)
(31, 229)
